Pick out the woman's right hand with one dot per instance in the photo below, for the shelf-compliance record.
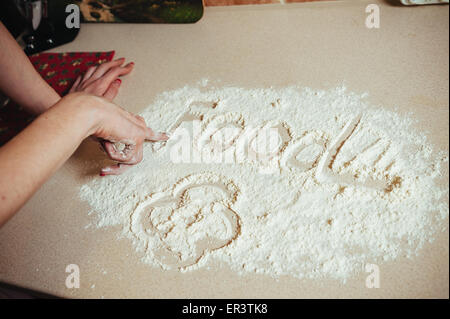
(116, 127)
(34, 154)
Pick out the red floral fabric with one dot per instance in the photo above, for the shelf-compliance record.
(60, 70)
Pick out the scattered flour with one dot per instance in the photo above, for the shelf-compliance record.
(347, 184)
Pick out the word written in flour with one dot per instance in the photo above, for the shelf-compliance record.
(319, 213)
(225, 139)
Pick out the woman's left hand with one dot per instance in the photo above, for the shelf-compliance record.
(103, 80)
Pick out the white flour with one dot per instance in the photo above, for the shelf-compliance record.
(348, 184)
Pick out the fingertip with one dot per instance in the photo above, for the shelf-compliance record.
(116, 169)
(119, 61)
(109, 170)
(164, 136)
(156, 137)
(105, 171)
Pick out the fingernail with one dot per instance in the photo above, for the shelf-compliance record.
(102, 174)
(119, 81)
(131, 63)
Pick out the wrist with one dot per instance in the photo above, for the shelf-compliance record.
(48, 101)
(84, 109)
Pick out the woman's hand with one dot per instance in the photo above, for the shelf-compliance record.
(33, 155)
(121, 134)
(103, 80)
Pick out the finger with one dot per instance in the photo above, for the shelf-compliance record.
(115, 154)
(88, 74)
(135, 119)
(140, 119)
(121, 167)
(155, 136)
(99, 86)
(113, 89)
(116, 169)
(105, 67)
(75, 84)
(117, 71)
(125, 128)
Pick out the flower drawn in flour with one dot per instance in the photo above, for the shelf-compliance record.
(179, 225)
(351, 187)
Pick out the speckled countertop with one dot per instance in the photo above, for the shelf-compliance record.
(319, 44)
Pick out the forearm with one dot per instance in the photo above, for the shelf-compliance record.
(31, 157)
(19, 80)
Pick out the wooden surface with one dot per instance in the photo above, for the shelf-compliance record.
(320, 45)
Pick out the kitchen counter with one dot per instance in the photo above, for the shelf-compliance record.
(322, 45)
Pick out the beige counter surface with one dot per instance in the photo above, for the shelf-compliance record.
(322, 45)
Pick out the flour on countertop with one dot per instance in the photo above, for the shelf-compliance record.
(347, 184)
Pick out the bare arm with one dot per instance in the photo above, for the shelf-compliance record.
(54, 136)
(19, 80)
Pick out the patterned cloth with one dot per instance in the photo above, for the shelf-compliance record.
(60, 70)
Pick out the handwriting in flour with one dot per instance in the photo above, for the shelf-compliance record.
(226, 139)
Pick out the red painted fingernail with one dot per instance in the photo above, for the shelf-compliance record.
(131, 63)
(102, 174)
(119, 81)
